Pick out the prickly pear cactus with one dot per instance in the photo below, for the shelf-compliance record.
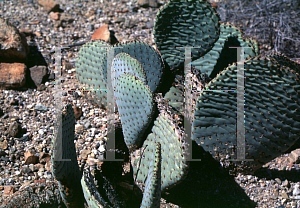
(149, 58)
(168, 131)
(185, 23)
(63, 148)
(104, 196)
(124, 63)
(136, 108)
(91, 68)
(152, 193)
(272, 123)
(221, 55)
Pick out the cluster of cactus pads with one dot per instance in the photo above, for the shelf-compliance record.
(152, 117)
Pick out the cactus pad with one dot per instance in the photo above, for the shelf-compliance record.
(136, 108)
(91, 68)
(149, 58)
(271, 112)
(220, 56)
(106, 197)
(168, 131)
(152, 193)
(63, 147)
(185, 23)
(125, 63)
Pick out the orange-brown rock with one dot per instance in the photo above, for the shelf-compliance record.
(102, 33)
(30, 158)
(8, 190)
(49, 5)
(12, 75)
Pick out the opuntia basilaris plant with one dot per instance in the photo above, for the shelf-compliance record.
(149, 88)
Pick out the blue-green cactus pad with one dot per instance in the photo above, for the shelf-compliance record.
(152, 192)
(168, 131)
(149, 58)
(272, 120)
(136, 108)
(91, 68)
(219, 57)
(185, 23)
(125, 63)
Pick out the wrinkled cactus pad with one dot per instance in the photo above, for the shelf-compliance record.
(185, 23)
(272, 121)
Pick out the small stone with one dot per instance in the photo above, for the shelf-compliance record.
(84, 154)
(8, 190)
(278, 180)
(3, 145)
(41, 87)
(54, 15)
(286, 183)
(296, 190)
(87, 124)
(40, 107)
(12, 75)
(78, 128)
(15, 129)
(91, 27)
(284, 195)
(78, 112)
(38, 73)
(262, 184)
(67, 65)
(294, 156)
(30, 158)
(148, 3)
(49, 5)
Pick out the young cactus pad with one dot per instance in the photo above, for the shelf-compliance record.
(169, 134)
(272, 123)
(124, 63)
(63, 148)
(152, 193)
(136, 108)
(185, 23)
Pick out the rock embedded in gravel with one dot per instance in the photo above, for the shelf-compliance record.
(13, 44)
(12, 75)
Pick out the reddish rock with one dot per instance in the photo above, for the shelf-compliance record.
(78, 112)
(12, 75)
(13, 44)
(40, 181)
(30, 158)
(103, 33)
(38, 73)
(8, 190)
(49, 5)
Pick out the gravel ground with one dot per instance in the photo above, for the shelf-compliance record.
(207, 185)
